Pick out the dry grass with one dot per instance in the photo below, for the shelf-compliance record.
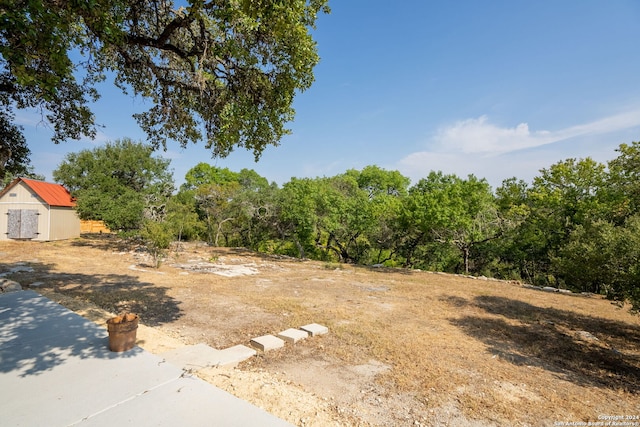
(497, 352)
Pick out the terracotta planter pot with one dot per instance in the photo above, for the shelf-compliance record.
(122, 332)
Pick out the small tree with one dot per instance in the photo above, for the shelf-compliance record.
(157, 237)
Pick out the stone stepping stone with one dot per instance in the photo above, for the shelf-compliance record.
(267, 343)
(193, 357)
(200, 356)
(230, 357)
(314, 329)
(293, 335)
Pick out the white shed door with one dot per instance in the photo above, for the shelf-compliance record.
(22, 224)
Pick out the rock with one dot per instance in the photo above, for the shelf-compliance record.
(21, 268)
(587, 336)
(36, 284)
(9, 286)
(549, 289)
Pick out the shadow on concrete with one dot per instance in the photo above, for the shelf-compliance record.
(582, 349)
(37, 334)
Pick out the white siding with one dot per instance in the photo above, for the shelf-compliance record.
(65, 223)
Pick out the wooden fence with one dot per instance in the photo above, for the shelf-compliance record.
(91, 226)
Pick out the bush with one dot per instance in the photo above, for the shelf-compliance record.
(157, 237)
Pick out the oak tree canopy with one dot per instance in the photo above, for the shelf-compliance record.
(222, 71)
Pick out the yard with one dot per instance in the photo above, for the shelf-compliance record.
(404, 347)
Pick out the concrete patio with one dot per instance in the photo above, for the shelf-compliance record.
(56, 370)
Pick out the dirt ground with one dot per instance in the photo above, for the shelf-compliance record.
(405, 347)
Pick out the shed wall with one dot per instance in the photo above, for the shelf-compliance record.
(65, 223)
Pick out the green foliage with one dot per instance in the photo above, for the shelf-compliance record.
(225, 72)
(206, 174)
(298, 215)
(183, 216)
(14, 153)
(157, 237)
(604, 258)
(540, 218)
(214, 205)
(236, 207)
(449, 210)
(118, 183)
(36, 38)
(623, 186)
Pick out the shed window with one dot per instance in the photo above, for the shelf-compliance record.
(13, 194)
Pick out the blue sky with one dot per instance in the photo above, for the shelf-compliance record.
(491, 88)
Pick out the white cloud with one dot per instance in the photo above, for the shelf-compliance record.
(477, 146)
(482, 137)
(610, 124)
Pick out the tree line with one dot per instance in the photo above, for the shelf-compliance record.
(575, 226)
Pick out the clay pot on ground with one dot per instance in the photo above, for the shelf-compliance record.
(122, 332)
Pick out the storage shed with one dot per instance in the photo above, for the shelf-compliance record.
(37, 210)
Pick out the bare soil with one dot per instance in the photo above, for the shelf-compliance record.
(405, 347)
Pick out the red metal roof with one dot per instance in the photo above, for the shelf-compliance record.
(51, 194)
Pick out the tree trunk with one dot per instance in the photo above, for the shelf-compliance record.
(5, 155)
(300, 248)
(465, 252)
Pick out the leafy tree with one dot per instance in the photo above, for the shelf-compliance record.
(36, 38)
(565, 195)
(604, 258)
(252, 181)
(385, 190)
(452, 211)
(214, 205)
(231, 204)
(571, 190)
(257, 216)
(512, 252)
(14, 153)
(297, 214)
(476, 223)
(205, 174)
(345, 216)
(117, 183)
(348, 217)
(182, 214)
(625, 282)
(256, 207)
(225, 71)
(378, 182)
(157, 236)
(623, 183)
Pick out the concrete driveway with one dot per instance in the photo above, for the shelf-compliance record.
(56, 370)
